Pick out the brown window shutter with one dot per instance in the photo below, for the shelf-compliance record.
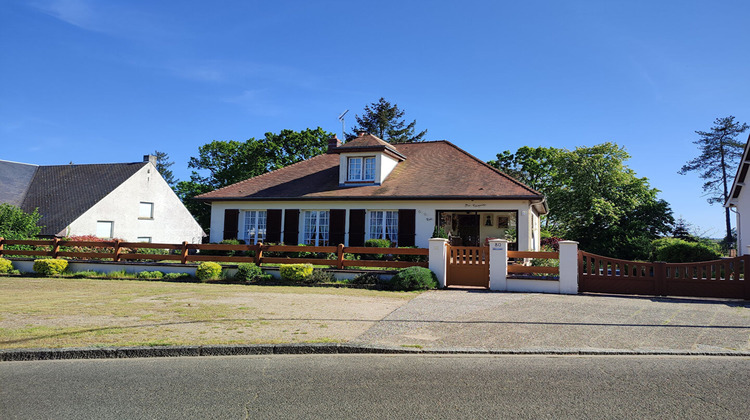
(291, 226)
(406, 227)
(273, 226)
(337, 227)
(356, 227)
(231, 223)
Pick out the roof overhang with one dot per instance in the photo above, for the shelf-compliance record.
(739, 178)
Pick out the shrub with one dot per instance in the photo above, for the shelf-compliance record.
(295, 272)
(248, 272)
(85, 274)
(50, 267)
(150, 275)
(319, 276)
(208, 271)
(414, 278)
(365, 278)
(677, 250)
(176, 276)
(376, 243)
(410, 258)
(5, 266)
(551, 242)
(120, 274)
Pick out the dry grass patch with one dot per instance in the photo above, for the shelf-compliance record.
(64, 312)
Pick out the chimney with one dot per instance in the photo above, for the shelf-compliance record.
(361, 133)
(333, 143)
(150, 158)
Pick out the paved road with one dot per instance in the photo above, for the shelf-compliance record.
(378, 386)
(529, 321)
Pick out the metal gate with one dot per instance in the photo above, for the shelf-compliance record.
(726, 278)
(468, 266)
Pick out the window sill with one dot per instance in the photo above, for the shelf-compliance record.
(145, 218)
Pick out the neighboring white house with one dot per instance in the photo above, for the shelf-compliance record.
(129, 201)
(739, 202)
(367, 188)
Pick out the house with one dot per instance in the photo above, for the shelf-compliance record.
(129, 201)
(367, 188)
(739, 199)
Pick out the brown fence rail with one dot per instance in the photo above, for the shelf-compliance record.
(725, 278)
(530, 269)
(333, 256)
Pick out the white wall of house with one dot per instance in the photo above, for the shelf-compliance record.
(127, 207)
(742, 214)
(426, 212)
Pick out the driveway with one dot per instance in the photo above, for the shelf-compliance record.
(521, 321)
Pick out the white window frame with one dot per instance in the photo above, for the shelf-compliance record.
(383, 224)
(146, 239)
(316, 227)
(146, 210)
(255, 224)
(100, 228)
(361, 168)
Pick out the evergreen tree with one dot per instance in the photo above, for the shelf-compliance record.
(162, 165)
(682, 230)
(720, 153)
(384, 120)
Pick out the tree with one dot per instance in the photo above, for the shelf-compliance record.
(17, 224)
(593, 197)
(162, 165)
(222, 163)
(720, 153)
(386, 121)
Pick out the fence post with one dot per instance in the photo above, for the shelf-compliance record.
(259, 254)
(116, 257)
(660, 274)
(55, 247)
(569, 267)
(340, 257)
(438, 259)
(498, 264)
(184, 252)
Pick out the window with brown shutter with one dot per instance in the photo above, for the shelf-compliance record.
(337, 226)
(406, 227)
(273, 226)
(291, 226)
(231, 223)
(356, 227)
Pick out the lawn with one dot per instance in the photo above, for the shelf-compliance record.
(65, 312)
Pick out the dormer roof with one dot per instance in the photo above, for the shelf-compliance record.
(366, 142)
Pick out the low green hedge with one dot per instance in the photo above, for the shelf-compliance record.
(208, 271)
(414, 278)
(150, 275)
(50, 267)
(5, 266)
(675, 250)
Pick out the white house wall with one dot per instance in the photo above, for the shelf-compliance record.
(742, 209)
(424, 218)
(171, 222)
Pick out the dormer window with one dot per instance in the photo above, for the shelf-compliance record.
(361, 169)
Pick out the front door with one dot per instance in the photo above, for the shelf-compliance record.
(468, 229)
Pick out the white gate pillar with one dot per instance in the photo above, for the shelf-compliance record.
(498, 264)
(438, 259)
(569, 267)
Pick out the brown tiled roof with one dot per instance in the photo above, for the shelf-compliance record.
(431, 170)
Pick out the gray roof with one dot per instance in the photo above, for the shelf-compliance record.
(15, 179)
(64, 192)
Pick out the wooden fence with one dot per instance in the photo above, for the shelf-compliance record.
(185, 253)
(725, 278)
(529, 269)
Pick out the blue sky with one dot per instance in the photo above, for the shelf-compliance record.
(108, 81)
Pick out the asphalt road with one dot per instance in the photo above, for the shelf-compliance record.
(378, 386)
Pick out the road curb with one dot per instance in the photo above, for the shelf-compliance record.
(16, 355)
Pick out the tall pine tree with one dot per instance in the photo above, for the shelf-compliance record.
(720, 154)
(386, 121)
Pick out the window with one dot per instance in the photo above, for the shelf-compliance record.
(144, 239)
(316, 227)
(104, 228)
(146, 210)
(255, 226)
(384, 225)
(356, 171)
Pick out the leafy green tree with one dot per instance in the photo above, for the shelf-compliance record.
(594, 198)
(222, 163)
(162, 165)
(17, 224)
(720, 154)
(386, 121)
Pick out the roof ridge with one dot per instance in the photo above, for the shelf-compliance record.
(261, 175)
(18, 163)
(93, 164)
(494, 169)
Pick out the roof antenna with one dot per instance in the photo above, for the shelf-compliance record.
(343, 126)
